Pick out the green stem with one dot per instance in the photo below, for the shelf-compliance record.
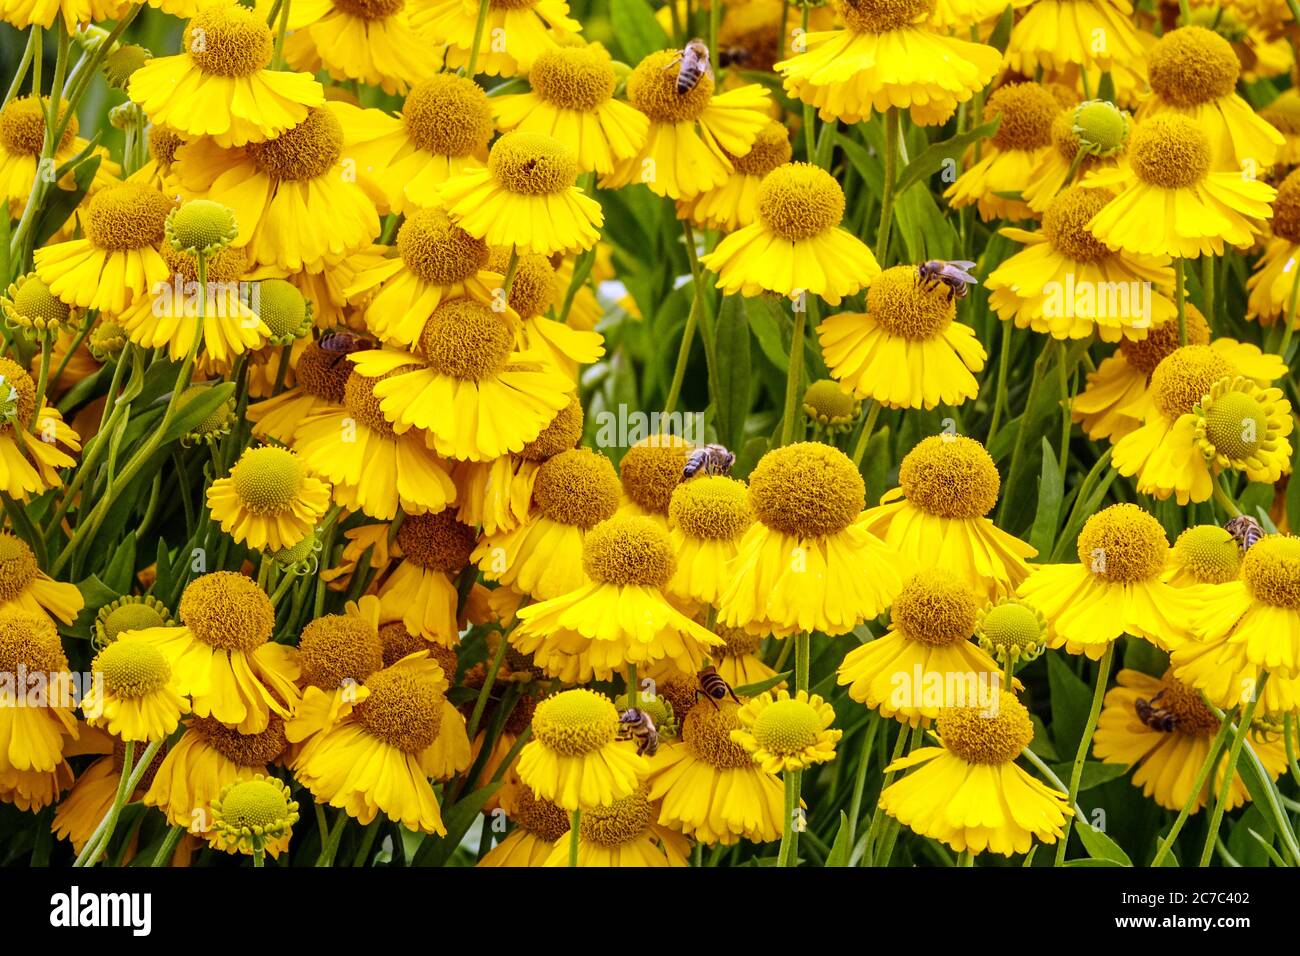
(1000, 394)
(1207, 287)
(1223, 498)
(1203, 775)
(802, 645)
(1063, 374)
(362, 855)
(1018, 449)
(785, 855)
(1180, 300)
(479, 26)
(489, 678)
(21, 73)
(794, 378)
(864, 438)
(860, 780)
(1230, 769)
(331, 845)
(1289, 331)
(277, 55)
(574, 822)
(1076, 772)
(891, 175)
(164, 855)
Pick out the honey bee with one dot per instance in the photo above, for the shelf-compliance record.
(709, 460)
(1246, 530)
(714, 687)
(694, 60)
(952, 274)
(635, 723)
(340, 343)
(1157, 718)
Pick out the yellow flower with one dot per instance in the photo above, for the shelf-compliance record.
(650, 472)
(25, 587)
(785, 733)
(538, 288)
(1283, 114)
(22, 138)
(1115, 589)
(28, 463)
(969, 793)
(707, 518)
(268, 501)
(25, 13)
(795, 244)
(734, 203)
(538, 823)
(1203, 554)
(739, 663)
(907, 350)
(136, 695)
(254, 815)
(220, 85)
(1058, 34)
(421, 591)
(129, 613)
(533, 27)
(936, 517)
(1273, 278)
(808, 563)
(321, 376)
(1011, 631)
(625, 833)
(369, 41)
(1097, 128)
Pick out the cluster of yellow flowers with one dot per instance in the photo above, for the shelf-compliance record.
(330, 318)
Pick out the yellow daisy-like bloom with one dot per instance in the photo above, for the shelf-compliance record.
(32, 310)
(739, 663)
(1058, 34)
(1193, 72)
(465, 388)
(885, 58)
(370, 41)
(1068, 284)
(573, 491)
(907, 350)
(925, 661)
(372, 468)
(625, 833)
(969, 793)
(650, 472)
(220, 85)
(282, 189)
(28, 463)
(538, 825)
(620, 616)
(1012, 632)
(222, 655)
(830, 405)
(442, 130)
(707, 518)
(785, 733)
(808, 563)
(1273, 279)
(525, 197)
(1203, 554)
(268, 502)
(1115, 589)
(136, 695)
(420, 592)
(22, 138)
(936, 517)
(1091, 135)
(254, 815)
(536, 288)
(22, 14)
(532, 26)
(129, 613)
(1027, 111)
(795, 244)
(320, 376)
(1170, 199)
(574, 759)
(32, 768)
(961, 15)
(1204, 417)
(118, 259)
(25, 587)
(1168, 745)
(1283, 114)
(374, 753)
(710, 787)
(735, 203)
(691, 134)
(571, 100)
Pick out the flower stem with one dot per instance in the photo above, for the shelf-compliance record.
(1207, 765)
(489, 678)
(1223, 498)
(1230, 769)
(1076, 772)
(1000, 394)
(479, 26)
(860, 781)
(1063, 373)
(869, 426)
(574, 822)
(1180, 299)
(887, 197)
(164, 855)
(786, 854)
(277, 55)
(795, 376)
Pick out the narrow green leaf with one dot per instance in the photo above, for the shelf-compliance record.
(1099, 845)
(733, 358)
(751, 690)
(1050, 491)
(931, 160)
(839, 855)
(1071, 701)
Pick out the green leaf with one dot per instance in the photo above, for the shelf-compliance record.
(1050, 490)
(1071, 701)
(639, 33)
(196, 408)
(733, 351)
(121, 567)
(770, 323)
(1099, 845)
(1095, 773)
(839, 855)
(60, 202)
(95, 594)
(932, 158)
(751, 690)
(457, 820)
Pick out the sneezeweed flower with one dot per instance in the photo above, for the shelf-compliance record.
(709, 786)
(908, 673)
(162, 144)
(219, 86)
(707, 518)
(22, 139)
(1061, 282)
(32, 310)
(785, 733)
(1170, 164)
(25, 587)
(625, 833)
(533, 27)
(1013, 632)
(808, 562)
(534, 289)
(369, 41)
(1092, 135)
(320, 381)
(28, 463)
(734, 204)
(1204, 416)
(573, 492)
(1283, 114)
(118, 259)
(907, 350)
(268, 501)
(1193, 72)
(107, 340)
(1059, 34)
(831, 405)
(883, 58)
(969, 793)
(1024, 136)
(129, 613)
(32, 768)
(538, 825)
(283, 188)
(284, 310)
(1273, 278)
(525, 197)
(795, 244)
(137, 696)
(620, 616)
(421, 592)
(214, 426)
(958, 16)
(572, 100)
(372, 468)
(1174, 738)
(574, 759)
(1115, 589)
(650, 472)
(254, 816)
(936, 516)
(691, 134)
(26, 13)
(1203, 554)
(222, 653)
(465, 388)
